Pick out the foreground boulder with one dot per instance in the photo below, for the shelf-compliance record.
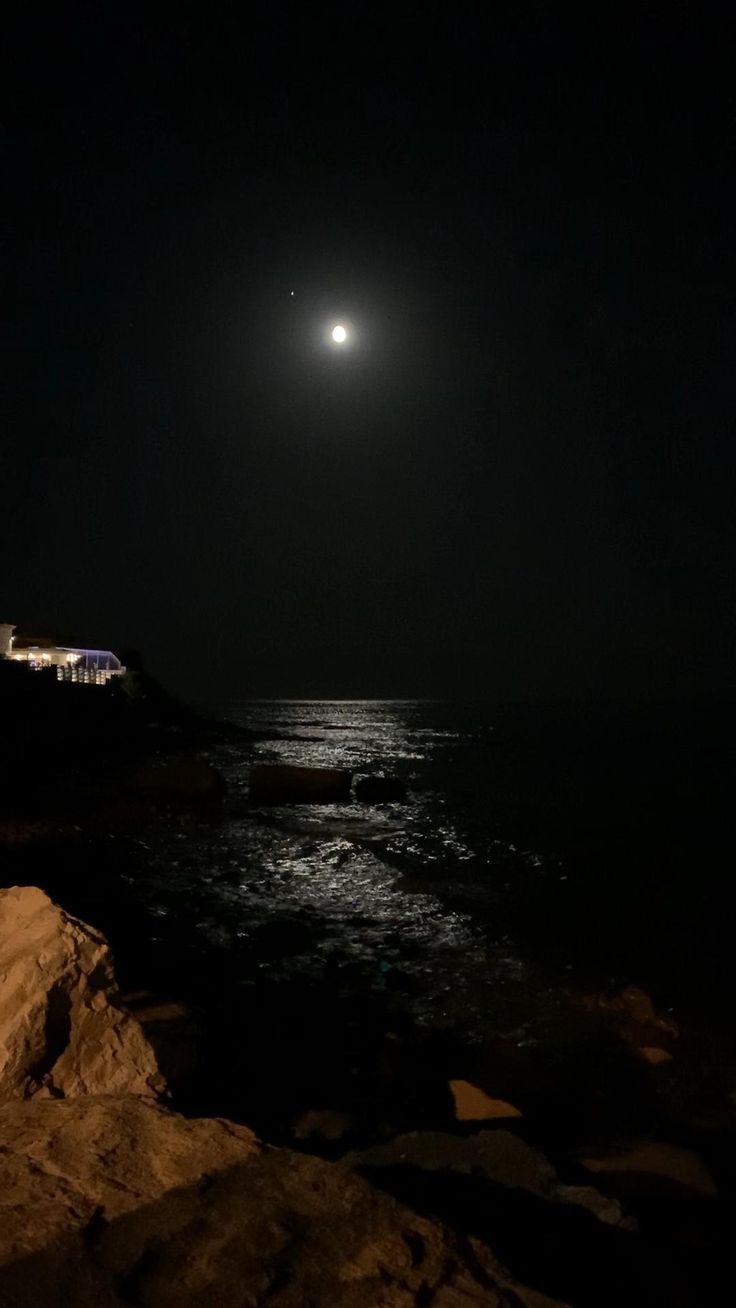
(380, 790)
(62, 1030)
(285, 783)
(109, 1201)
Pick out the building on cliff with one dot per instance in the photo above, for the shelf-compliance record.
(92, 667)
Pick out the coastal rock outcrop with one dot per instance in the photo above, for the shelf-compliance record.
(287, 783)
(62, 1030)
(380, 790)
(107, 1201)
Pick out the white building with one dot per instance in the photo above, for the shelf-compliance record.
(91, 666)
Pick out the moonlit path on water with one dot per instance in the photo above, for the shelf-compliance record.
(354, 891)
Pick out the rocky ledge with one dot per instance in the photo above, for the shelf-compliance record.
(108, 1198)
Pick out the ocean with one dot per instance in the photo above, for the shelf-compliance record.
(355, 954)
(541, 853)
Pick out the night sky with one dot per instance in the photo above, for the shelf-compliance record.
(513, 484)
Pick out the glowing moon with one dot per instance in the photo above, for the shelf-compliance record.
(339, 334)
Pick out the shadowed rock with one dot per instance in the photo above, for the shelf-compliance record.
(185, 782)
(285, 783)
(650, 1033)
(380, 790)
(653, 1169)
(109, 1201)
(496, 1156)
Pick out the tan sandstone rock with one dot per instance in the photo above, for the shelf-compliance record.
(473, 1104)
(62, 1031)
(109, 1201)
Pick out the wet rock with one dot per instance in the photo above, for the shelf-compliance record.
(185, 782)
(286, 783)
(108, 1201)
(473, 1104)
(62, 1029)
(380, 790)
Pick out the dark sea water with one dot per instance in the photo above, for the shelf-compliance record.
(356, 960)
(541, 852)
(542, 855)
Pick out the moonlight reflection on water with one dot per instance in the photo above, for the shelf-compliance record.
(300, 891)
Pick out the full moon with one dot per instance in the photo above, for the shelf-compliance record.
(339, 334)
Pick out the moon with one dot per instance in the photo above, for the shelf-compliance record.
(339, 334)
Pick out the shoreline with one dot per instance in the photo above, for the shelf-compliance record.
(270, 1050)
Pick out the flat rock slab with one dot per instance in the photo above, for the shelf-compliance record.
(473, 1104)
(286, 783)
(496, 1156)
(111, 1201)
(654, 1170)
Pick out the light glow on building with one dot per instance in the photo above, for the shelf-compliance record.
(93, 667)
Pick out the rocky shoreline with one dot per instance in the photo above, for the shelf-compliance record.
(596, 1164)
(109, 1196)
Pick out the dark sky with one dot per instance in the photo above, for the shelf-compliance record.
(516, 483)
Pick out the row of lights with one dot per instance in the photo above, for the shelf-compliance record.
(41, 656)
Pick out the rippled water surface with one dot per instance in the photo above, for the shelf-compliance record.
(384, 895)
(459, 899)
(354, 891)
